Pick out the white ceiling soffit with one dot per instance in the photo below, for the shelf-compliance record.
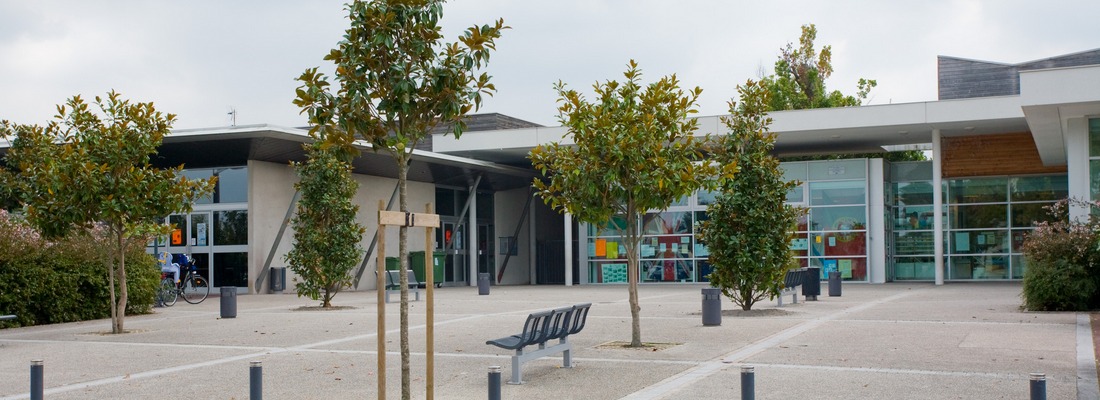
(1050, 98)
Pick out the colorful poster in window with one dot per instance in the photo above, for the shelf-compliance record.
(828, 266)
(845, 267)
(613, 250)
(800, 244)
(177, 237)
(200, 231)
(962, 242)
(613, 273)
(601, 247)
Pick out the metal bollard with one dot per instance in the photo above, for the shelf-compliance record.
(255, 381)
(748, 382)
(494, 382)
(36, 380)
(712, 306)
(1038, 386)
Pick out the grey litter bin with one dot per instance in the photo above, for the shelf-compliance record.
(811, 283)
(483, 284)
(229, 301)
(834, 284)
(712, 306)
(278, 279)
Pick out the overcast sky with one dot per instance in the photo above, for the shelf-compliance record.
(199, 58)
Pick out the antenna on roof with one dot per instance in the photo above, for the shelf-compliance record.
(232, 116)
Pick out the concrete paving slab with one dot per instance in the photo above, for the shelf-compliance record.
(877, 341)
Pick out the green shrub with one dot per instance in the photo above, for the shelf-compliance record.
(1063, 263)
(45, 282)
(1057, 285)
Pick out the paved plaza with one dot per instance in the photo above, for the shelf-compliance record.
(896, 341)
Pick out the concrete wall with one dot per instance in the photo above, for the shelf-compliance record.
(271, 187)
(507, 212)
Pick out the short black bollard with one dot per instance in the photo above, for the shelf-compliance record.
(255, 381)
(834, 284)
(494, 382)
(37, 381)
(748, 382)
(811, 283)
(229, 302)
(1038, 386)
(712, 306)
(483, 284)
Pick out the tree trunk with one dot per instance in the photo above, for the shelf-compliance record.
(633, 275)
(403, 253)
(109, 262)
(120, 311)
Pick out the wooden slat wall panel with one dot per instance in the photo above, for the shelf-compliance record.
(993, 155)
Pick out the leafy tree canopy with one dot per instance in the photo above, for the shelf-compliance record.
(85, 168)
(633, 151)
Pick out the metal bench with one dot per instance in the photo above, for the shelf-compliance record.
(542, 327)
(393, 284)
(791, 282)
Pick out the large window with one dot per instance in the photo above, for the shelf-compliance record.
(988, 219)
(1094, 158)
(912, 233)
(833, 234)
(231, 187)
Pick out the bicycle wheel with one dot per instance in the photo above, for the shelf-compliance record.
(195, 288)
(166, 293)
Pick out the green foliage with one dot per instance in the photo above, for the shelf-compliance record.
(1063, 262)
(85, 168)
(799, 79)
(326, 236)
(798, 83)
(749, 224)
(634, 152)
(48, 282)
(397, 81)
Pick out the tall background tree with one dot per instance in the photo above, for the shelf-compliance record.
(634, 152)
(398, 80)
(798, 83)
(326, 236)
(85, 168)
(749, 225)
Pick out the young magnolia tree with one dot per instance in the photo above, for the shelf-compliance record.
(749, 224)
(326, 236)
(85, 168)
(634, 152)
(398, 80)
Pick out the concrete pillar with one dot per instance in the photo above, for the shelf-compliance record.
(937, 201)
(472, 243)
(532, 244)
(1077, 166)
(568, 249)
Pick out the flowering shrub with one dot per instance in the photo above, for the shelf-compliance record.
(1063, 262)
(44, 282)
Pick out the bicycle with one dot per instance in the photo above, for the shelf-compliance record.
(194, 288)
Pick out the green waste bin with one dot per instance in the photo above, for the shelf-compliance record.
(393, 264)
(416, 263)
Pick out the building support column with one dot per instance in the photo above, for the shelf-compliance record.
(937, 201)
(1077, 166)
(472, 243)
(568, 249)
(532, 248)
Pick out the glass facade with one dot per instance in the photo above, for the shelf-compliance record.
(911, 220)
(1094, 158)
(988, 219)
(215, 233)
(668, 251)
(833, 234)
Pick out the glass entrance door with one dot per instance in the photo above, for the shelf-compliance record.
(452, 241)
(191, 234)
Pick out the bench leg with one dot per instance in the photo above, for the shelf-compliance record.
(517, 376)
(566, 355)
(780, 299)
